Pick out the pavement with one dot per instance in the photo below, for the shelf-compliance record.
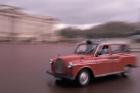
(23, 70)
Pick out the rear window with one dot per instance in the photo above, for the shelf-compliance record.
(119, 48)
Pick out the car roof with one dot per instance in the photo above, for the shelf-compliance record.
(106, 42)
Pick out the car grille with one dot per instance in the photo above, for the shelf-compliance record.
(58, 66)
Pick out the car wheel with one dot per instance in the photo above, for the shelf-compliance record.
(126, 71)
(83, 78)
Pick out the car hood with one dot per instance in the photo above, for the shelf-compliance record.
(73, 58)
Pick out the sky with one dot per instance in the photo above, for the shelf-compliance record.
(82, 11)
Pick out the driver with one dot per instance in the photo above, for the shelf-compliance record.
(105, 49)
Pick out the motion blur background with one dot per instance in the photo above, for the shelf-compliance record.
(71, 20)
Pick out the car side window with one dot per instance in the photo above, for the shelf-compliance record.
(103, 50)
(125, 48)
(115, 49)
(119, 48)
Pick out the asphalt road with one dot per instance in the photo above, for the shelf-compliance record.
(23, 67)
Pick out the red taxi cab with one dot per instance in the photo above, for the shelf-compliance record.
(94, 59)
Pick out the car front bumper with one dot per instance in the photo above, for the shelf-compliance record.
(58, 75)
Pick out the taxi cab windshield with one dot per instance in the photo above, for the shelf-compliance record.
(85, 48)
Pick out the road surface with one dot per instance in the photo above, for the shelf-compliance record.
(23, 67)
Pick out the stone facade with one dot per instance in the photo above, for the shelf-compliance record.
(17, 25)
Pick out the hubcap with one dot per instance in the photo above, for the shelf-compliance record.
(84, 78)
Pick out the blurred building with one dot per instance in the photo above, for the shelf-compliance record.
(18, 25)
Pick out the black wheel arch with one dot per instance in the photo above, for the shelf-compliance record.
(129, 65)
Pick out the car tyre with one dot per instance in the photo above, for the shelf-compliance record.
(126, 72)
(83, 78)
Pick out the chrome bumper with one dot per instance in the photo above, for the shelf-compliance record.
(58, 75)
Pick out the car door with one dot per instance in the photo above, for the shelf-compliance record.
(103, 61)
(116, 54)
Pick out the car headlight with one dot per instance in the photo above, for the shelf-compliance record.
(70, 65)
(51, 61)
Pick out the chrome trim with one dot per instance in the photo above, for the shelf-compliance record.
(70, 65)
(100, 75)
(58, 66)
